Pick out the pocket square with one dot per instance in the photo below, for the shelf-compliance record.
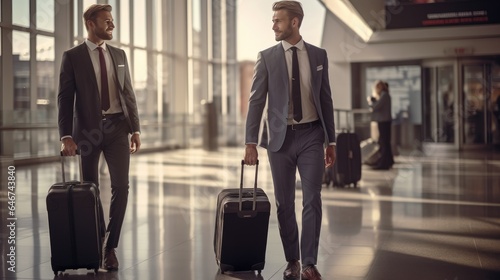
(319, 68)
(121, 65)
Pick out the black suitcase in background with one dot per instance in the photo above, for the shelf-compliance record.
(73, 224)
(347, 167)
(241, 226)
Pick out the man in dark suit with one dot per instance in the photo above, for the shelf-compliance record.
(292, 79)
(97, 112)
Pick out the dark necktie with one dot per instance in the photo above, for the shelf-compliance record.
(104, 82)
(297, 103)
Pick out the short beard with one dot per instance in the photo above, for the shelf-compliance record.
(104, 35)
(285, 34)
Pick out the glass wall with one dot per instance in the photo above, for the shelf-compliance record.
(481, 102)
(28, 124)
(181, 54)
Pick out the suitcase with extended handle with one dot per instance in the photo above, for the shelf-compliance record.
(73, 224)
(241, 226)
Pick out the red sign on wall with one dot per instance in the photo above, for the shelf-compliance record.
(422, 13)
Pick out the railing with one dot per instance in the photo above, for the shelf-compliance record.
(354, 120)
(33, 143)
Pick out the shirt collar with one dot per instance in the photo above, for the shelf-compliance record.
(287, 46)
(93, 46)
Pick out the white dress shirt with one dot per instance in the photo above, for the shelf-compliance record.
(309, 112)
(114, 100)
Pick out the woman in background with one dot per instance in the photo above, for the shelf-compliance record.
(380, 104)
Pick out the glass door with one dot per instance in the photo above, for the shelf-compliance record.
(439, 103)
(494, 103)
(481, 91)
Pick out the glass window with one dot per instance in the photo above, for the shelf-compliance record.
(76, 19)
(140, 23)
(494, 103)
(21, 13)
(158, 25)
(168, 96)
(21, 65)
(140, 75)
(124, 22)
(79, 16)
(196, 16)
(199, 93)
(45, 15)
(1, 60)
(113, 4)
(159, 85)
(45, 66)
(474, 90)
(115, 15)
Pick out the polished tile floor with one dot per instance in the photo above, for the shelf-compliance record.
(434, 217)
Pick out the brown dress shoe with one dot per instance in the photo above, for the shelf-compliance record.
(110, 262)
(310, 273)
(292, 271)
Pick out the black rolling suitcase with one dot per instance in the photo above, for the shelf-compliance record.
(73, 224)
(241, 225)
(347, 167)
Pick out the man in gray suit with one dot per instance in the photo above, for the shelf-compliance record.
(97, 112)
(295, 133)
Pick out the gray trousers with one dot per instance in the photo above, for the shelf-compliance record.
(302, 149)
(113, 142)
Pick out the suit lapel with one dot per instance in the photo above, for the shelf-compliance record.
(281, 64)
(86, 62)
(312, 64)
(118, 65)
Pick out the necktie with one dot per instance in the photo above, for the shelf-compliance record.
(104, 82)
(297, 103)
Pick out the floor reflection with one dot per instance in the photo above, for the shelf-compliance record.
(434, 217)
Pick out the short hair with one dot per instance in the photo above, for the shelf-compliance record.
(93, 10)
(293, 8)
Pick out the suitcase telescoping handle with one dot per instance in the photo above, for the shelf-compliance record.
(254, 185)
(79, 156)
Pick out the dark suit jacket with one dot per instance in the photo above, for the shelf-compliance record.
(79, 100)
(271, 85)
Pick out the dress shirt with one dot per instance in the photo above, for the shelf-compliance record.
(113, 91)
(309, 113)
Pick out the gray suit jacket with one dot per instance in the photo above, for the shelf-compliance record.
(79, 100)
(271, 87)
(381, 108)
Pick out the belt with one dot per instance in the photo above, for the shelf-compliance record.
(111, 116)
(303, 125)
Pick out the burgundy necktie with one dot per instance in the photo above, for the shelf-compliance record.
(104, 82)
(296, 99)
